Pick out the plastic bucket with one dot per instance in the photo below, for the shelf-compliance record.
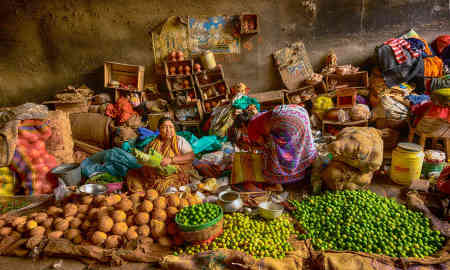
(69, 173)
(432, 167)
(406, 166)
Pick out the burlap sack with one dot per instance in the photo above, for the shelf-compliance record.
(226, 259)
(339, 176)
(60, 143)
(359, 147)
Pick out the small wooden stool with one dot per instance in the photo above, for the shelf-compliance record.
(423, 138)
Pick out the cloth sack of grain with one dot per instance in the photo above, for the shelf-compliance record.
(60, 143)
(359, 147)
(339, 176)
(101, 99)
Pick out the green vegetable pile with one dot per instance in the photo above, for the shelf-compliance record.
(103, 178)
(252, 235)
(13, 205)
(198, 214)
(364, 221)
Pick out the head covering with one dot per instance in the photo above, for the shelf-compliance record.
(257, 124)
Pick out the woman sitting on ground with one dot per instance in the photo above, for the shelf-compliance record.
(175, 150)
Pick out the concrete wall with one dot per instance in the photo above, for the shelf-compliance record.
(48, 44)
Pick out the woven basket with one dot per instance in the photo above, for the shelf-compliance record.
(207, 234)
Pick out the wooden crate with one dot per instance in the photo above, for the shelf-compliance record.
(346, 97)
(341, 125)
(176, 87)
(304, 93)
(246, 21)
(358, 79)
(214, 80)
(268, 100)
(176, 65)
(197, 104)
(124, 73)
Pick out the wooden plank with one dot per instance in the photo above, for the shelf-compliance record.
(88, 148)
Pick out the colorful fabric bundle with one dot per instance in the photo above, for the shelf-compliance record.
(397, 45)
(122, 111)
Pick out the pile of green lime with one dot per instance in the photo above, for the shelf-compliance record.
(198, 214)
(364, 221)
(252, 235)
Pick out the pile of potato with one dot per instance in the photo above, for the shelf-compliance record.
(106, 221)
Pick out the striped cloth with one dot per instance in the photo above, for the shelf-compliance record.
(397, 45)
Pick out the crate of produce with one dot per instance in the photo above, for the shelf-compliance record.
(124, 76)
(181, 89)
(212, 88)
(189, 112)
(358, 79)
(178, 68)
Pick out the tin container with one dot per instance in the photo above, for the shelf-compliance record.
(230, 201)
(208, 60)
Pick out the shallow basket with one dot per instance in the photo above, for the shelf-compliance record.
(191, 228)
(204, 235)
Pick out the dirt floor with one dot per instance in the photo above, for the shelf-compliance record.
(381, 185)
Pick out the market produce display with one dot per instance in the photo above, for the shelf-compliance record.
(364, 221)
(105, 221)
(252, 235)
(31, 160)
(198, 214)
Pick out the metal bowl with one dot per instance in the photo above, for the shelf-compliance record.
(94, 189)
(270, 210)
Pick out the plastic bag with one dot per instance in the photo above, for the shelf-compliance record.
(114, 161)
(204, 144)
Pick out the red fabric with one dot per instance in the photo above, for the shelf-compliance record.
(440, 43)
(443, 182)
(256, 126)
(123, 110)
(430, 110)
(207, 125)
(397, 45)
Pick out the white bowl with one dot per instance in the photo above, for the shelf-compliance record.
(270, 210)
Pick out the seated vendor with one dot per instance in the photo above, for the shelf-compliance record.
(175, 150)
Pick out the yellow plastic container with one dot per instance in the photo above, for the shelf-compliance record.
(407, 160)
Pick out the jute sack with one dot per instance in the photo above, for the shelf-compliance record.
(359, 147)
(60, 143)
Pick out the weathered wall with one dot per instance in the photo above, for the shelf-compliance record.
(46, 45)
